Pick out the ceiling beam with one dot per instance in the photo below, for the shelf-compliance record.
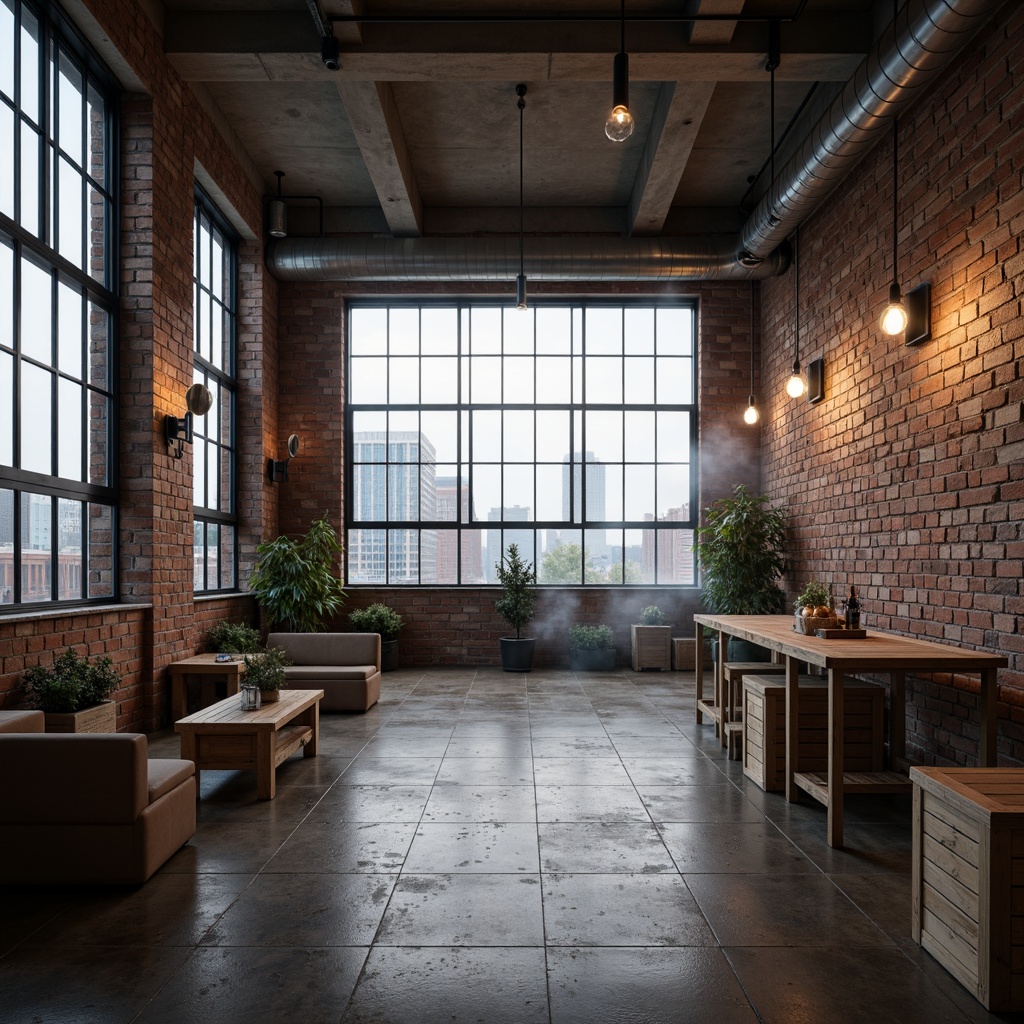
(713, 33)
(378, 131)
(678, 114)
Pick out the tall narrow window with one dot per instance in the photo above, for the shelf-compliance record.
(58, 305)
(569, 430)
(213, 450)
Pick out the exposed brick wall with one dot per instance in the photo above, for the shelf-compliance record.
(908, 479)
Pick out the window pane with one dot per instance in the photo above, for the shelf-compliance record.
(7, 48)
(30, 182)
(640, 437)
(518, 493)
(518, 435)
(404, 383)
(36, 306)
(603, 331)
(6, 295)
(675, 332)
(440, 381)
(639, 331)
(69, 550)
(367, 554)
(674, 437)
(549, 492)
(554, 380)
(369, 331)
(640, 381)
(485, 331)
(404, 332)
(36, 419)
(518, 325)
(673, 493)
(439, 331)
(604, 435)
(6, 157)
(554, 330)
(70, 108)
(639, 493)
(69, 429)
(368, 381)
(441, 429)
(31, 58)
(7, 407)
(485, 380)
(486, 436)
(36, 547)
(603, 380)
(69, 331)
(6, 547)
(518, 379)
(674, 380)
(552, 435)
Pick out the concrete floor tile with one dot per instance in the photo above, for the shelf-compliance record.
(486, 771)
(590, 803)
(688, 769)
(654, 985)
(247, 985)
(602, 847)
(344, 846)
(368, 770)
(568, 746)
(371, 803)
(579, 771)
(479, 847)
(230, 848)
(622, 910)
(442, 985)
(722, 804)
(743, 847)
(506, 745)
(481, 803)
(464, 910)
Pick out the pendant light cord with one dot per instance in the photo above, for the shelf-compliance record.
(622, 28)
(751, 339)
(796, 270)
(895, 140)
(522, 105)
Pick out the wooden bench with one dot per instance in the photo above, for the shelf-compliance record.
(967, 897)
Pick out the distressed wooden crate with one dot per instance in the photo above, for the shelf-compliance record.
(684, 653)
(651, 647)
(764, 728)
(967, 878)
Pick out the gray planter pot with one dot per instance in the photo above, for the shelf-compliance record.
(389, 655)
(517, 655)
(592, 661)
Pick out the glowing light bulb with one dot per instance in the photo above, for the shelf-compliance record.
(795, 385)
(894, 316)
(751, 415)
(619, 125)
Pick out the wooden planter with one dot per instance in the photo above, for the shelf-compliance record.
(99, 718)
(652, 647)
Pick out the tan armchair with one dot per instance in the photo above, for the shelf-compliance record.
(346, 666)
(90, 808)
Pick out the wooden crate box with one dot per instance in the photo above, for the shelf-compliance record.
(684, 653)
(967, 875)
(651, 647)
(764, 728)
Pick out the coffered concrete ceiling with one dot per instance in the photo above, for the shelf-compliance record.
(417, 132)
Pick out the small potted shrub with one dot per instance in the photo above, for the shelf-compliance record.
(379, 618)
(72, 694)
(233, 638)
(813, 608)
(651, 640)
(518, 580)
(591, 648)
(264, 669)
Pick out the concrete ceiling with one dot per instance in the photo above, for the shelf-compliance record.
(417, 133)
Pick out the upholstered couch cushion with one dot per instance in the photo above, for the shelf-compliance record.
(346, 666)
(22, 721)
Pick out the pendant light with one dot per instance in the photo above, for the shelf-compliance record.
(619, 125)
(521, 279)
(894, 316)
(795, 385)
(751, 415)
(278, 218)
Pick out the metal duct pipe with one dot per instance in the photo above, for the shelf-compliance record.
(583, 258)
(922, 40)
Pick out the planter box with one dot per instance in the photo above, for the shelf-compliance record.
(684, 653)
(966, 907)
(99, 718)
(651, 647)
(592, 661)
(764, 728)
(388, 655)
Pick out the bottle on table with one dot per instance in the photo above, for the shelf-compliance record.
(852, 610)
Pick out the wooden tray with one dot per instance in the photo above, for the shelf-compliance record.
(841, 634)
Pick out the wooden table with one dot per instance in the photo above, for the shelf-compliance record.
(205, 665)
(877, 653)
(225, 737)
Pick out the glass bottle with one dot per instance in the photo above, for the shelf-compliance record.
(852, 610)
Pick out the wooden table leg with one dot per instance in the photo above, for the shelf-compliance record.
(792, 727)
(898, 720)
(179, 695)
(989, 718)
(266, 770)
(188, 753)
(311, 717)
(835, 757)
(698, 664)
(723, 640)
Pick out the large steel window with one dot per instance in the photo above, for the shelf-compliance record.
(567, 429)
(58, 265)
(215, 249)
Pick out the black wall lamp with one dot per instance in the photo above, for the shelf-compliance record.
(178, 432)
(277, 210)
(277, 470)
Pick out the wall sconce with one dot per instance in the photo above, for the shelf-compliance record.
(278, 470)
(178, 432)
(918, 303)
(816, 379)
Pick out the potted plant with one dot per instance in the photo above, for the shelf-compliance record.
(741, 554)
(72, 694)
(264, 669)
(651, 640)
(233, 638)
(294, 581)
(518, 579)
(814, 608)
(379, 618)
(591, 648)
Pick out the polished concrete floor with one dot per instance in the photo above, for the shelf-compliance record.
(496, 848)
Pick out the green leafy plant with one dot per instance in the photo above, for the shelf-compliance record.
(233, 638)
(518, 579)
(814, 595)
(294, 581)
(71, 684)
(741, 552)
(652, 615)
(377, 618)
(264, 669)
(591, 638)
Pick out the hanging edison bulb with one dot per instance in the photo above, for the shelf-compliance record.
(750, 414)
(795, 386)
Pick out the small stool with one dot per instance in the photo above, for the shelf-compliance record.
(732, 699)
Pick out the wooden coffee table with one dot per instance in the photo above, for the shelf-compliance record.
(224, 737)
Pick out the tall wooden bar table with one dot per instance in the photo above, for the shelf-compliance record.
(877, 653)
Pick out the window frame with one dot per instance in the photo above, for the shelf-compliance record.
(206, 516)
(58, 40)
(382, 533)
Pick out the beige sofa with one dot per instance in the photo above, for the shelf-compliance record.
(346, 666)
(90, 808)
(22, 721)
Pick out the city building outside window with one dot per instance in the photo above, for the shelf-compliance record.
(214, 271)
(568, 429)
(58, 302)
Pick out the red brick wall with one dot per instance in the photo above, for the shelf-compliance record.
(908, 479)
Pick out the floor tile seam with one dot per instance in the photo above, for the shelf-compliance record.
(158, 994)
